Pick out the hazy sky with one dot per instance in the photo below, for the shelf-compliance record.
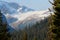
(34, 4)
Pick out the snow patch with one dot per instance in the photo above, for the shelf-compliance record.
(28, 18)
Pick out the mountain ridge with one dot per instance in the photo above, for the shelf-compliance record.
(19, 19)
(10, 7)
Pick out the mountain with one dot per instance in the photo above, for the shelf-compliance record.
(33, 24)
(22, 21)
(4, 21)
(19, 21)
(12, 8)
(19, 16)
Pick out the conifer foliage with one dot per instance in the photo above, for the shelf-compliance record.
(55, 27)
(3, 29)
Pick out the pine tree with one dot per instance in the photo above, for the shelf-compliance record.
(35, 38)
(55, 27)
(24, 35)
(3, 29)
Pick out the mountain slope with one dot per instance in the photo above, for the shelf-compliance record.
(19, 16)
(28, 18)
(13, 8)
(4, 21)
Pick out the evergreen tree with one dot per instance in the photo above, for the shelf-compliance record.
(24, 35)
(55, 27)
(3, 29)
(35, 38)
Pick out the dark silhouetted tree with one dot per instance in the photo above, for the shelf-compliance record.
(3, 28)
(55, 25)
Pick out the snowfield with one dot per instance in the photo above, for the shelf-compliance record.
(28, 18)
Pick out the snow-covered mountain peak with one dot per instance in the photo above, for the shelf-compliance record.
(12, 8)
(19, 16)
(29, 18)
